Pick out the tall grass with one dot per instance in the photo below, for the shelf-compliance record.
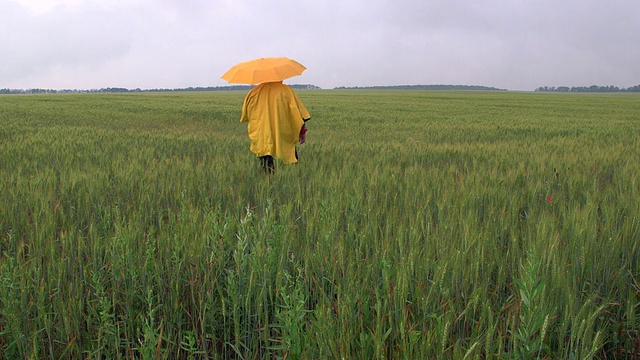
(416, 225)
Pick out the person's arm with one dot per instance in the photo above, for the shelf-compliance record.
(244, 117)
(303, 133)
(303, 113)
(247, 104)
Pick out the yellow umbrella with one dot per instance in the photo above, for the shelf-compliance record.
(263, 70)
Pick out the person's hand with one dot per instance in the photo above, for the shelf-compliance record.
(303, 134)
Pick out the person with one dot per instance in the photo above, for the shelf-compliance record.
(276, 120)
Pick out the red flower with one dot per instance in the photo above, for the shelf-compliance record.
(549, 199)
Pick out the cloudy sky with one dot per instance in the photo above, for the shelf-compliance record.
(512, 44)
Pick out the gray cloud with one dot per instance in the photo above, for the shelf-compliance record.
(170, 43)
(39, 44)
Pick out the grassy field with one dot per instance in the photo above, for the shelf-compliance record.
(417, 225)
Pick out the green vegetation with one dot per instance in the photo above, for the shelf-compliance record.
(417, 225)
(592, 89)
(423, 87)
(125, 90)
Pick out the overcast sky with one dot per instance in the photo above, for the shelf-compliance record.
(511, 44)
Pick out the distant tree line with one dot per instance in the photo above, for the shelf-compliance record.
(423, 87)
(592, 88)
(124, 90)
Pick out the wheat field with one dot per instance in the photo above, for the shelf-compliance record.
(417, 225)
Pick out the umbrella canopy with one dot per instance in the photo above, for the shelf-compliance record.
(263, 70)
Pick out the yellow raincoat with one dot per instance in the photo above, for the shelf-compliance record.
(275, 115)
